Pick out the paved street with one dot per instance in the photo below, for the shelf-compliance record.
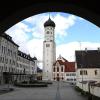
(56, 91)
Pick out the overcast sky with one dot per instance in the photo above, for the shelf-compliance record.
(71, 33)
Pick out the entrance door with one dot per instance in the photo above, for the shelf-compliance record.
(58, 79)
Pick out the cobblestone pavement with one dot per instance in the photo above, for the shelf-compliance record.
(56, 91)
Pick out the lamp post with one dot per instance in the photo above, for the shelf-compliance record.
(89, 95)
(81, 67)
(47, 75)
(1, 76)
(82, 75)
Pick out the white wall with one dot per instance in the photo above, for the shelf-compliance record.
(90, 74)
(8, 56)
(70, 77)
(95, 91)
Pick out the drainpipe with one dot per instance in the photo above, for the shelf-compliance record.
(89, 95)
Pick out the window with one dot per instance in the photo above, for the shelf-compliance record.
(54, 69)
(85, 72)
(73, 74)
(71, 79)
(47, 45)
(81, 72)
(2, 49)
(62, 69)
(57, 75)
(57, 69)
(67, 74)
(68, 79)
(95, 72)
(10, 61)
(47, 32)
(0, 59)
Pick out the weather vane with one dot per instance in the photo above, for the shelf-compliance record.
(49, 15)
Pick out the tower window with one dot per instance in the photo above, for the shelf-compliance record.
(47, 32)
(47, 45)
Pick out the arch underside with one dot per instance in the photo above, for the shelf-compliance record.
(53, 6)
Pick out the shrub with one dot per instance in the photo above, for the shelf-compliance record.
(31, 85)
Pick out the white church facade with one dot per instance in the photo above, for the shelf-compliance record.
(49, 49)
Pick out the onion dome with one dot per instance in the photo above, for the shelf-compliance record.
(49, 22)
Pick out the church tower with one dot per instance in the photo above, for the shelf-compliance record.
(49, 49)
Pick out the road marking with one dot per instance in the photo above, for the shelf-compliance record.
(58, 97)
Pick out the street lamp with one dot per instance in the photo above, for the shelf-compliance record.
(81, 67)
(47, 75)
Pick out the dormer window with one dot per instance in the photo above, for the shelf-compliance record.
(47, 45)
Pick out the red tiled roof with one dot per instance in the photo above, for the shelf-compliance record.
(59, 61)
(69, 66)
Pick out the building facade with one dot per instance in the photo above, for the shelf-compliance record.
(49, 49)
(26, 66)
(14, 64)
(64, 70)
(39, 73)
(88, 66)
(8, 58)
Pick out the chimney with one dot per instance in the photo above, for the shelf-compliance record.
(98, 49)
(85, 49)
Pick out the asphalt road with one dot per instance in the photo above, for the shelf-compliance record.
(56, 91)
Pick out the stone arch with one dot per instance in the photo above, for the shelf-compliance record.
(37, 7)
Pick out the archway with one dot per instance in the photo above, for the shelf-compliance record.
(79, 8)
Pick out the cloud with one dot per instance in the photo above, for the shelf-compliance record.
(19, 33)
(37, 22)
(63, 23)
(35, 48)
(68, 50)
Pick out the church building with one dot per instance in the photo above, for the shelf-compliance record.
(64, 70)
